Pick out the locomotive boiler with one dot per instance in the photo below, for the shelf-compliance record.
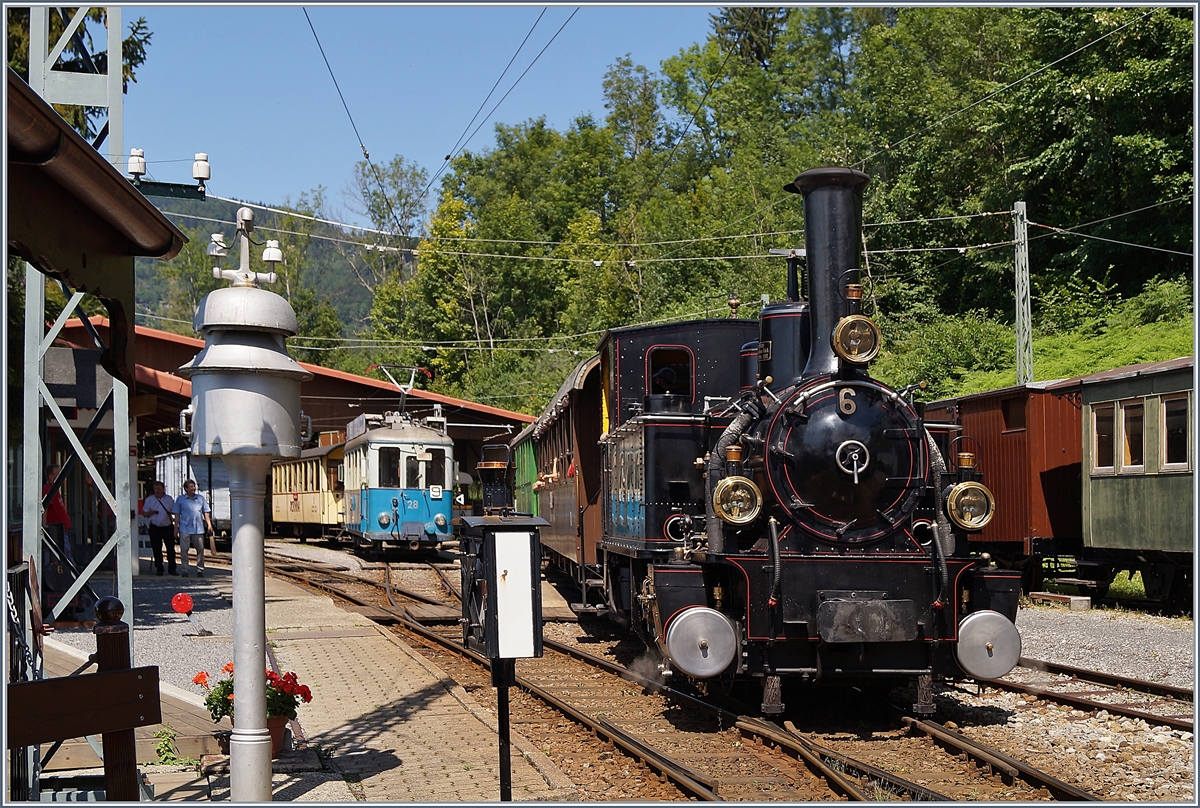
(793, 523)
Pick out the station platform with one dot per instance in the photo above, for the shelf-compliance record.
(384, 725)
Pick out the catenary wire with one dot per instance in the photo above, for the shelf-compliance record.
(361, 144)
(518, 81)
(503, 73)
(1060, 231)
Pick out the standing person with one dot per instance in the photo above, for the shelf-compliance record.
(159, 507)
(191, 517)
(56, 518)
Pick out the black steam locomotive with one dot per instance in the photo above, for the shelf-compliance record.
(754, 505)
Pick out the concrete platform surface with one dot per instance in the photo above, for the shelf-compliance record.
(385, 724)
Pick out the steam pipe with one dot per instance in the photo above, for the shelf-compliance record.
(942, 537)
(776, 567)
(714, 472)
(832, 237)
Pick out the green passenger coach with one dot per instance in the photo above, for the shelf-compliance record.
(1138, 463)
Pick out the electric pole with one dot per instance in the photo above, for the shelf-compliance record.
(1024, 315)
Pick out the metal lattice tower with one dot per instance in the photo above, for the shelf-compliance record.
(100, 90)
(1024, 313)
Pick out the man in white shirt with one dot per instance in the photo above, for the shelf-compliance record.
(192, 516)
(157, 507)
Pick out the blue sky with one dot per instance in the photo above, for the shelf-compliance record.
(247, 84)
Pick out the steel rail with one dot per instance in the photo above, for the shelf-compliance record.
(770, 733)
(318, 567)
(1138, 685)
(919, 791)
(1175, 722)
(451, 587)
(1059, 789)
(672, 769)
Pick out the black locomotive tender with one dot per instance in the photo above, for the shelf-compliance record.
(772, 514)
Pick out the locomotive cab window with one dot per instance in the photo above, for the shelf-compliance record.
(669, 370)
(1175, 434)
(1104, 434)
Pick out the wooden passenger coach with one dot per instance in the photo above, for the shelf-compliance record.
(1097, 469)
(308, 492)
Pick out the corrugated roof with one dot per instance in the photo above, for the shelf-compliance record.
(1126, 372)
(318, 371)
(1144, 369)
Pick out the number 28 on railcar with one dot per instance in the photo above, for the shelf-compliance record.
(399, 481)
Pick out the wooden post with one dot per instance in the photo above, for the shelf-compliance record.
(120, 748)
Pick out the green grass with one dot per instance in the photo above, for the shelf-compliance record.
(1062, 356)
(1127, 586)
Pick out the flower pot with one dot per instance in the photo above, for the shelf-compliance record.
(277, 726)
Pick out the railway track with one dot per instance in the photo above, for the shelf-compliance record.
(1092, 691)
(706, 752)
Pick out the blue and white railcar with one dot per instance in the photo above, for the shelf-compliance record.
(399, 481)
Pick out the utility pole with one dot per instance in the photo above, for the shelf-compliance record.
(1024, 315)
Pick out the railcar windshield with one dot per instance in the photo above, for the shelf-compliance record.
(411, 467)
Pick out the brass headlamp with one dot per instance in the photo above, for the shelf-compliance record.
(856, 339)
(737, 500)
(970, 505)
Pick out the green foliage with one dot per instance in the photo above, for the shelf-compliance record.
(166, 751)
(1122, 340)
(671, 203)
(941, 352)
(1163, 300)
(1071, 305)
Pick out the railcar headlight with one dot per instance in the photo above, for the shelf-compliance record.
(440, 520)
(385, 519)
(737, 500)
(856, 339)
(970, 505)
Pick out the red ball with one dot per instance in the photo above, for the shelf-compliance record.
(182, 603)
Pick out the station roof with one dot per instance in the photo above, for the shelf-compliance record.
(74, 216)
(332, 398)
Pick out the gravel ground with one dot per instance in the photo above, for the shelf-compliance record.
(1157, 649)
(169, 640)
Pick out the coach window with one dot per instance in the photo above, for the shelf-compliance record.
(669, 371)
(1133, 436)
(1102, 455)
(1013, 410)
(390, 458)
(412, 472)
(1175, 434)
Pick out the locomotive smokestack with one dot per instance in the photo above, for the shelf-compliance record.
(832, 236)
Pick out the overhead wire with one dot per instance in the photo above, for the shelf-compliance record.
(1062, 232)
(503, 73)
(518, 81)
(361, 144)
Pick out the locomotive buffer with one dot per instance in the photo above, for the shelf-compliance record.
(501, 586)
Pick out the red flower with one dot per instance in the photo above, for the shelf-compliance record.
(201, 679)
(228, 668)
